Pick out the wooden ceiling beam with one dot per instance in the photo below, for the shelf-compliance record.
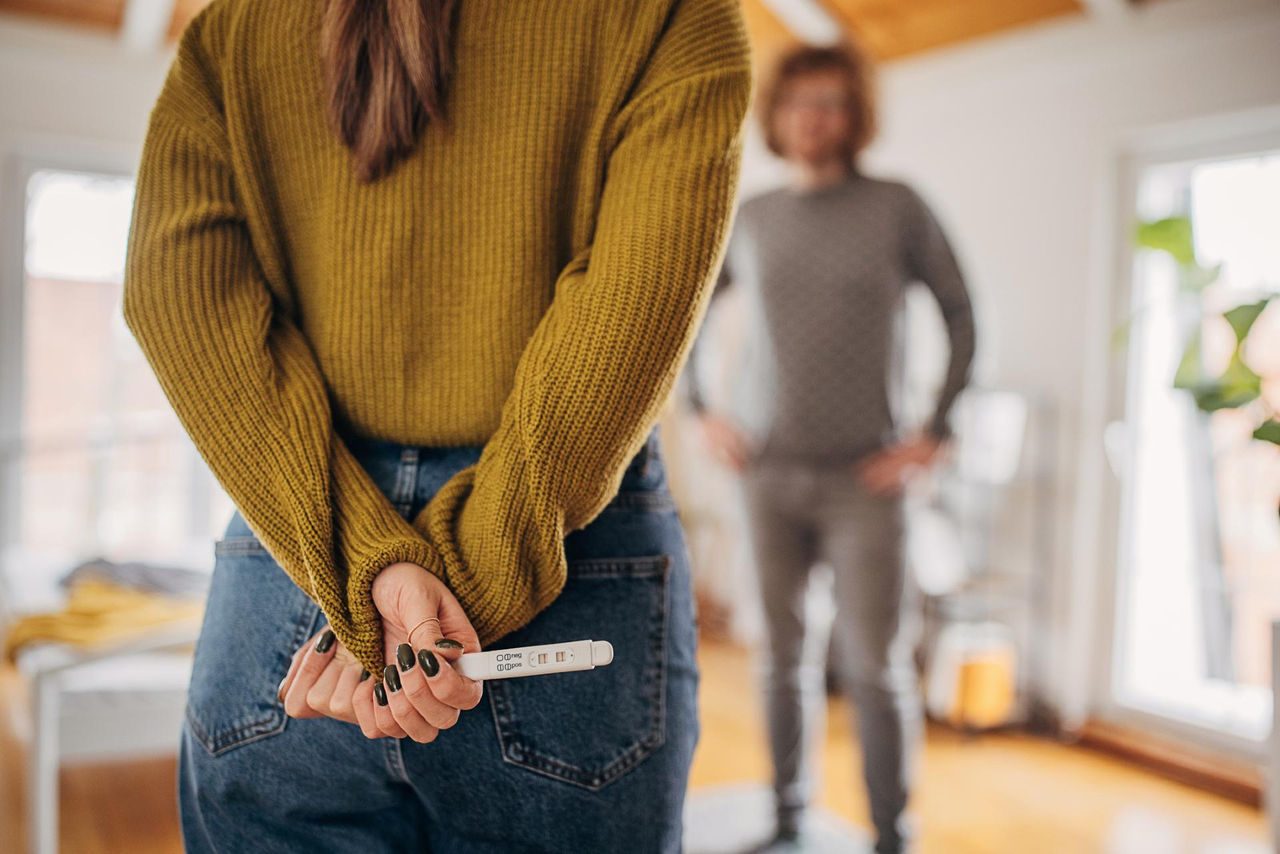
(183, 12)
(769, 35)
(894, 28)
(808, 20)
(100, 14)
(890, 28)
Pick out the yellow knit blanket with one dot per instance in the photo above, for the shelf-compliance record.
(97, 611)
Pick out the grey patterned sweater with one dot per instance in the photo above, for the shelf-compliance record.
(826, 270)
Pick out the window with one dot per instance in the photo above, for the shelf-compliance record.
(103, 467)
(1200, 552)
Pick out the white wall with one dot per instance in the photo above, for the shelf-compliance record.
(1015, 141)
(73, 84)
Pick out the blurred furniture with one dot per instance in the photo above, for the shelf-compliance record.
(121, 699)
(118, 700)
(973, 675)
(978, 547)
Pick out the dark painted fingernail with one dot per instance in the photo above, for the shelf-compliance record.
(429, 664)
(364, 674)
(326, 641)
(448, 643)
(404, 655)
(380, 693)
(392, 677)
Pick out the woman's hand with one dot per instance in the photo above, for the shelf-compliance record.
(419, 693)
(421, 615)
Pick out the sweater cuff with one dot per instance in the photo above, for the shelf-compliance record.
(363, 636)
(501, 551)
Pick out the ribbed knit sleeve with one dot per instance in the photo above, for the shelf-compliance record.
(239, 373)
(593, 376)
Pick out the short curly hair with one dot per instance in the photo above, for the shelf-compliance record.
(851, 61)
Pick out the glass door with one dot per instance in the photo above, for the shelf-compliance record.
(1197, 452)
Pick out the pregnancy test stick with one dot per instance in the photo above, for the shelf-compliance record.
(535, 660)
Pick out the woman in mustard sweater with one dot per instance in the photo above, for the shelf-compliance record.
(417, 279)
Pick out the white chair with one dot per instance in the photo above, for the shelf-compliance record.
(115, 701)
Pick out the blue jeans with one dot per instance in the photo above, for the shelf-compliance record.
(589, 761)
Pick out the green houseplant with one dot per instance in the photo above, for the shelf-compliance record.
(1237, 386)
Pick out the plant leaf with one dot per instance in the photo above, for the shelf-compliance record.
(1242, 317)
(1237, 386)
(1268, 431)
(1172, 235)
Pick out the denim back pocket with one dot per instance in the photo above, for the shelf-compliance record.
(590, 727)
(255, 619)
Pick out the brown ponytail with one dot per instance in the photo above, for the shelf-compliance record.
(387, 65)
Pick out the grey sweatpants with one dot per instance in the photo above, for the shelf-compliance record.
(800, 515)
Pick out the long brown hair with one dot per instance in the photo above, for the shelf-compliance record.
(387, 65)
(847, 58)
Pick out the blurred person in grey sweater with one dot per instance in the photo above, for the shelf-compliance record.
(824, 261)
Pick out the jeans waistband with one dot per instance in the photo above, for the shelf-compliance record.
(409, 473)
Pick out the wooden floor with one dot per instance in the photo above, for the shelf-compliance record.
(997, 794)
(990, 794)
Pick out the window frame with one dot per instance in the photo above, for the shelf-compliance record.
(1236, 135)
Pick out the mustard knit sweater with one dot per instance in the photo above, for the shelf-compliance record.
(530, 279)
